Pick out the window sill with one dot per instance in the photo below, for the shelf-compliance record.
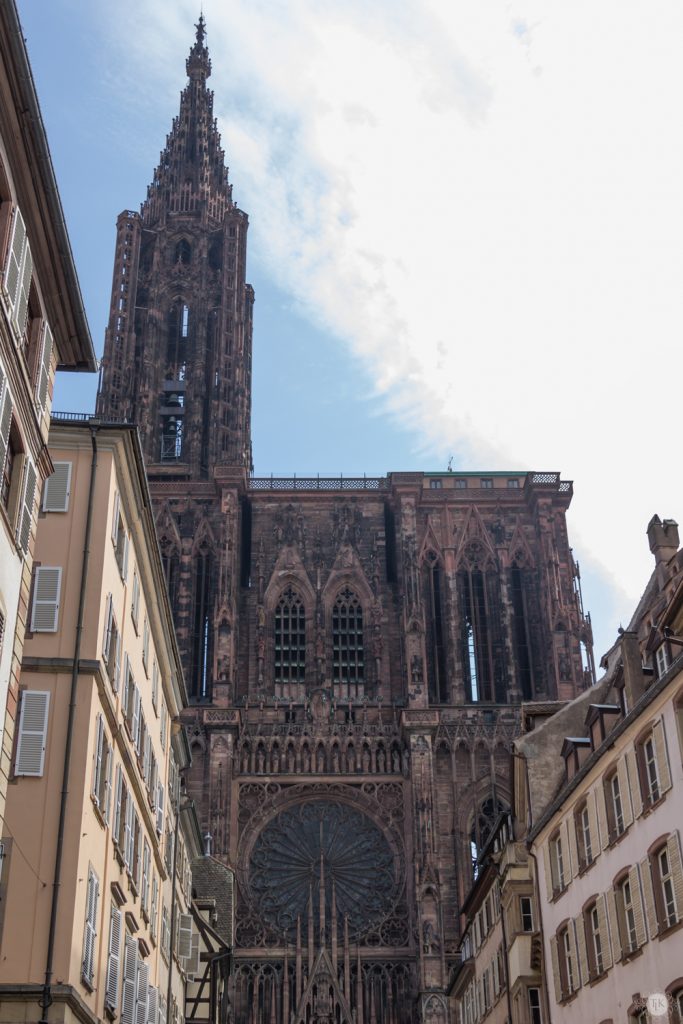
(615, 838)
(651, 805)
(595, 979)
(585, 868)
(559, 893)
(98, 813)
(88, 985)
(664, 933)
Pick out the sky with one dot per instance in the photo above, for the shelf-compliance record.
(466, 231)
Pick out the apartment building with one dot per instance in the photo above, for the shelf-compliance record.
(96, 890)
(42, 327)
(608, 842)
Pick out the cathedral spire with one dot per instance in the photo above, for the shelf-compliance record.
(198, 64)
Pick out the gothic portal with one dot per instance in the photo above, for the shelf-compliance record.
(356, 650)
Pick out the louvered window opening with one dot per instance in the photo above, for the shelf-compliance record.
(290, 639)
(348, 667)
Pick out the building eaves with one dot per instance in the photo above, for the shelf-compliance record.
(76, 349)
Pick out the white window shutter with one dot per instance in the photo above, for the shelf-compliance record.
(92, 897)
(97, 759)
(46, 592)
(58, 489)
(124, 569)
(115, 518)
(184, 935)
(28, 493)
(15, 256)
(160, 810)
(142, 993)
(117, 666)
(35, 706)
(5, 417)
(111, 996)
(128, 841)
(21, 307)
(192, 963)
(107, 784)
(117, 803)
(130, 965)
(135, 727)
(152, 1005)
(124, 693)
(43, 380)
(108, 616)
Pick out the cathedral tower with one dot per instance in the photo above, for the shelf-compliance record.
(357, 650)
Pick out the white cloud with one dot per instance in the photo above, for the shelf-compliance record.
(484, 202)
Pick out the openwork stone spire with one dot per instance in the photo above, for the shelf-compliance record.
(191, 176)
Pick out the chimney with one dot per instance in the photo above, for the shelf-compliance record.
(664, 540)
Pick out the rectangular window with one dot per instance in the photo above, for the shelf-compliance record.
(629, 916)
(526, 913)
(154, 907)
(535, 1012)
(130, 975)
(120, 538)
(513, 484)
(28, 493)
(144, 888)
(16, 282)
(615, 811)
(557, 864)
(57, 489)
(460, 483)
(435, 485)
(43, 371)
(102, 769)
(111, 645)
(91, 901)
(651, 772)
(667, 889)
(592, 921)
(662, 657)
(155, 686)
(486, 483)
(47, 586)
(567, 952)
(32, 736)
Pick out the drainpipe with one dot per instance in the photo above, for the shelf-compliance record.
(46, 1000)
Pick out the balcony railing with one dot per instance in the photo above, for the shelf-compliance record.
(317, 483)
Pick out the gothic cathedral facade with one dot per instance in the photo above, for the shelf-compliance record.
(356, 651)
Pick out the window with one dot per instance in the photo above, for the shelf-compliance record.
(153, 913)
(535, 1013)
(32, 736)
(593, 927)
(111, 645)
(120, 538)
(290, 639)
(662, 659)
(614, 806)
(103, 756)
(629, 913)
(667, 878)
(526, 913)
(347, 640)
(567, 959)
(57, 488)
(42, 376)
(649, 762)
(486, 483)
(557, 864)
(583, 835)
(165, 934)
(91, 900)
(435, 485)
(460, 483)
(47, 584)
(144, 888)
(513, 484)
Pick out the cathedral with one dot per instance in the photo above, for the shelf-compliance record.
(357, 651)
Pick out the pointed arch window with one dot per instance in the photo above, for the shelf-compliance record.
(482, 647)
(202, 634)
(348, 667)
(436, 654)
(290, 638)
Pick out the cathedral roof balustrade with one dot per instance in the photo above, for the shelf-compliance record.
(318, 483)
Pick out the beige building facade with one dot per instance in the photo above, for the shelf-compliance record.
(608, 844)
(96, 890)
(42, 327)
